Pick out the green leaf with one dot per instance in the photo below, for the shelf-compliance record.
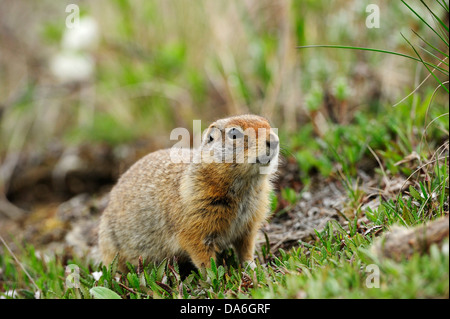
(161, 269)
(103, 293)
(289, 194)
(220, 272)
(156, 289)
(414, 193)
(133, 279)
(273, 201)
(424, 192)
(213, 266)
(211, 274)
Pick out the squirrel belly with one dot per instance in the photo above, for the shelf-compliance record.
(160, 209)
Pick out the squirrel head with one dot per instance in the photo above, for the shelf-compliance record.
(245, 141)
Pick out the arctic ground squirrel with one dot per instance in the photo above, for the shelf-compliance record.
(161, 208)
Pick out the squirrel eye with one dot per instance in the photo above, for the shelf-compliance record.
(235, 133)
(210, 138)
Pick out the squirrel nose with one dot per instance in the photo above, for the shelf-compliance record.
(272, 144)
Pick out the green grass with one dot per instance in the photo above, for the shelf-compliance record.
(389, 133)
(336, 266)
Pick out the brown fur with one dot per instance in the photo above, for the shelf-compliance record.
(160, 209)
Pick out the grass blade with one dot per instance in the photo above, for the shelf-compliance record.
(432, 46)
(434, 56)
(426, 23)
(331, 46)
(443, 5)
(435, 16)
(425, 63)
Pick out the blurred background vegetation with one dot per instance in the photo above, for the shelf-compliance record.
(150, 66)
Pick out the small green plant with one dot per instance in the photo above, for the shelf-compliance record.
(290, 195)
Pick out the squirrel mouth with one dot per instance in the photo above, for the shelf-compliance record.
(265, 160)
(259, 162)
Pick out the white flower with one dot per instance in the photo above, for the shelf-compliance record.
(97, 275)
(9, 294)
(83, 36)
(72, 67)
